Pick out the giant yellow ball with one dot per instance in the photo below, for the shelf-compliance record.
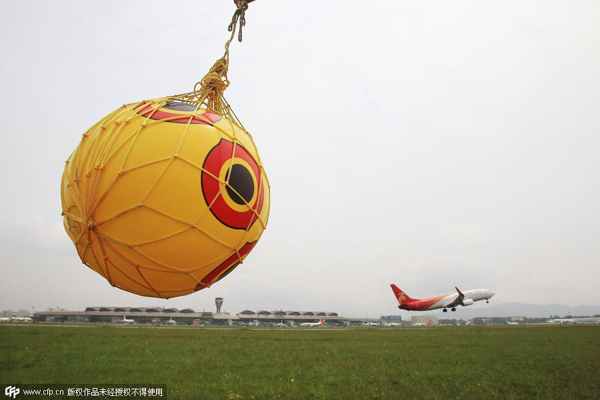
(164, 198)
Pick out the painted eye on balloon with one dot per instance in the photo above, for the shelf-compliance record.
(223, 269)
(237, 202)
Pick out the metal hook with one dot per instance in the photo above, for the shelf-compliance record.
(239, 14)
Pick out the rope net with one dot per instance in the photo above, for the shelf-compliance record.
(165, 197)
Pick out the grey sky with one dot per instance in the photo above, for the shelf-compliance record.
(426, 143)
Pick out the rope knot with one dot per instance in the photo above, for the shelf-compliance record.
(209, 91)
(214, 84)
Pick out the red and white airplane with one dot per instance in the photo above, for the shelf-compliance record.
(405, 302)
(313, 324)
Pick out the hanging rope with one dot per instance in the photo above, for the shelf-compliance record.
(209, 90)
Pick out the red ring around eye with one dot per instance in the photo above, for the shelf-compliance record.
(237, 204)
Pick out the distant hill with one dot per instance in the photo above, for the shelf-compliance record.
(480, 309)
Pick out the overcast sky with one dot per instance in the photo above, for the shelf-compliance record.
(431, 144)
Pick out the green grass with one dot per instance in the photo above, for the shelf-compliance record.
(561, 362)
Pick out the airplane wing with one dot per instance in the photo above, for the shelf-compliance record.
(459, 299)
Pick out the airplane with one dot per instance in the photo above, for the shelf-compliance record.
(125, 320)
(562, 321)
(451, 301)
(20, 319)
(170, 322)
(313, 324)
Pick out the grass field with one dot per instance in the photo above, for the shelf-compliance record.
(558, 362)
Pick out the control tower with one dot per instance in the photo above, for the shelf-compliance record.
(218, 303)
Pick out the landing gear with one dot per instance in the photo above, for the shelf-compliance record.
(445, 310)
(453, 308)
(487, 300)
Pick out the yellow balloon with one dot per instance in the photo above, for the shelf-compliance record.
(164, 198)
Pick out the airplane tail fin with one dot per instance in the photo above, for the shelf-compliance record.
(400, 295)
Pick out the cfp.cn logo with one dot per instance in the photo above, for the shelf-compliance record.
(12, 391)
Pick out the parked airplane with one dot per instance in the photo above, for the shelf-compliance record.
(16, 319)
(125, 320)
(313, 324)
(405, 302)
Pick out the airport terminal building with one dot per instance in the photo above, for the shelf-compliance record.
(188, 316)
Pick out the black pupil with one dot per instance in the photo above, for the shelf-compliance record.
(178, 106)
(240, 180)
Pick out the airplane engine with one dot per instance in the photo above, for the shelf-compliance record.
(467, 302)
